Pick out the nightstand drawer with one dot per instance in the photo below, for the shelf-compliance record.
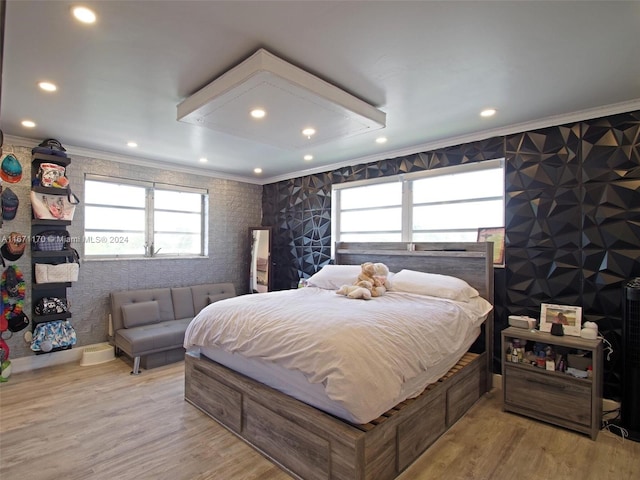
(547, 394)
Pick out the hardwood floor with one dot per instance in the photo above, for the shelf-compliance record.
(99, 422)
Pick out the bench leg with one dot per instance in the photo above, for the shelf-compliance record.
(136, 366)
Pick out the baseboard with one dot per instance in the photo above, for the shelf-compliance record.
(25, 364)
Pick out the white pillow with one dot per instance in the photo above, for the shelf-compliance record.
(332, 277)
(434, 285)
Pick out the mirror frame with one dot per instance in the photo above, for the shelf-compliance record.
(253, 261)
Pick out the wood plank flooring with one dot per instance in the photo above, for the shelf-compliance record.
(99, 422)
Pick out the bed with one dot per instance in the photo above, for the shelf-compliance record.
(305, 416)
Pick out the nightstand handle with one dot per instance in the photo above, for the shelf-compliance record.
(557, 385)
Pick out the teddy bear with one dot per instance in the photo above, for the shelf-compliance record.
(367, 272)
(362, 289)
(372, 277)
(376, 273)
(380, 275)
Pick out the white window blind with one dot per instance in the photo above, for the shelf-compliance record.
(440, 205)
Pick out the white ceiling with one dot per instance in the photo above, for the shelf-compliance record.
(430, 66)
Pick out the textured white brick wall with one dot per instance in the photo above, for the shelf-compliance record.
(233, 208)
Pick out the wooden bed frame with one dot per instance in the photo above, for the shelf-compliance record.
(311, 444)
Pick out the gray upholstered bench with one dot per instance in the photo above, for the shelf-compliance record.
(147, 322)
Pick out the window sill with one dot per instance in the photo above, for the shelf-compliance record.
(159, 257)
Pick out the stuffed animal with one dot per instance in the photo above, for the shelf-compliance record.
(362, 289)
(376, 273)
(380, 276)
(371, 282)
(367, 272)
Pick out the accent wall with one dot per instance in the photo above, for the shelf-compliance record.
(572, 208)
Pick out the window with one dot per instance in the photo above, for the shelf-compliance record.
(128, 218)
(443, 205)
(452, 206)
(371, 213)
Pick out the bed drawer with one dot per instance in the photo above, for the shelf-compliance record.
(309, 454)
(548, 395)
(215, 398)
(416, 434)
(464, 392)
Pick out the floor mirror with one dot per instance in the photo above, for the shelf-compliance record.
(260, 261)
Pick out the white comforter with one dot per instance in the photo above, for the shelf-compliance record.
(361, 351)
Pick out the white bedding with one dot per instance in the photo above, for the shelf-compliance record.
(366, 355)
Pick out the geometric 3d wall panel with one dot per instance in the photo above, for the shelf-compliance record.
(543, 218)
(611, 215)
(543, 159)
(537, 276)
(611, 148)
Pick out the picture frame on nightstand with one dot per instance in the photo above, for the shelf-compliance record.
(570, 317)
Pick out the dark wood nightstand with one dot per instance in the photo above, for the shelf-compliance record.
(553, 396)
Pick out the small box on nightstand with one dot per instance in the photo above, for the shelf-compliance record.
(520, 321)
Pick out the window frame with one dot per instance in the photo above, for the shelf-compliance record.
(407, 180)
(149, 213)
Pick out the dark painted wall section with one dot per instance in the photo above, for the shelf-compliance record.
(572, 220)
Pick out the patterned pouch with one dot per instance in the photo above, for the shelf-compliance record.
(48, 336)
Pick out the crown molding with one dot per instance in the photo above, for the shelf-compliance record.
(138, 161)
(546, 122)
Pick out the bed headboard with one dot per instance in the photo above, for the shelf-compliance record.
(470, 261)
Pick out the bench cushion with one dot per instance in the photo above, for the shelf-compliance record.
(140, 313)
(160, 295)
(182, 302)
(203, 295)
(152, 338)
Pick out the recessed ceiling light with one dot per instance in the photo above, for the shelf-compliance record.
(132, 144)
(307, 132)
(381, 140)
(28, 123)
(308, 157)
(47, 86)
(84, 14)
(257, 170)
(258, 113)
(489, 112)
(203, 160)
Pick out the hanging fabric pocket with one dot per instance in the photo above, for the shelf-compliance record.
(54, 207)
(58, 334)
(50, 241)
